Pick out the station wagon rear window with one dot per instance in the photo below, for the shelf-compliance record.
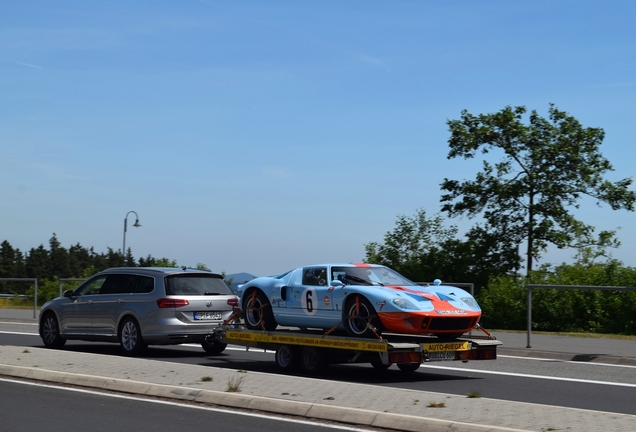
(196, 284)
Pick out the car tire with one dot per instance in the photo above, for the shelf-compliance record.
(214, 347)
(288, 358)
(357, 314)
(51, 332)
(130, 339)
(258, 312)
(313, 361)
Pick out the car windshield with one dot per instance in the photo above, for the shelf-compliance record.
(369, 276)
(196, 284)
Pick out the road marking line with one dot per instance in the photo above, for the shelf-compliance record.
(272, 416)
(565, 361)
(584, 381)
(20, 333)
(18, 323)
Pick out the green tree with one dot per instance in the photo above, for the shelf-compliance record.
(79, 259)
(7, 260)
(548, 166)
(414, 248)
(59, 258)
(149, 261)
(423, 249)
(38, 263)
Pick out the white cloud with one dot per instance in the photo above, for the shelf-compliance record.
(29, 65)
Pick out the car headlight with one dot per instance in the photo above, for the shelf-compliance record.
(403, 303)
(469, 301)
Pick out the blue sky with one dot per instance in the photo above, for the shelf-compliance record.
(259, 136)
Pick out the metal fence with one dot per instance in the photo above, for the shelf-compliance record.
(35, 291)
(63, 280)
(530, 287)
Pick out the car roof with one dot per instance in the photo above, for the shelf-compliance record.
(161, 270)
(344, 265)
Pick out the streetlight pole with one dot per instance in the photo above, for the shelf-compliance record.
(136, 225)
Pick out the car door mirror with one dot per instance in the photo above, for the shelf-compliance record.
(68, 293)
(336, 283)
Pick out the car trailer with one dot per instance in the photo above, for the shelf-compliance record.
(312, 351)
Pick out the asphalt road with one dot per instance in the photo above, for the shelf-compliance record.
(35, 407)
(572, 384)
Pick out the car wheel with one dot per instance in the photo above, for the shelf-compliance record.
(51, 332)
(288, 358)
(409, 367)
(359, 313)
(214, 347)
(313, 361)
(130, 337)
(258, 312)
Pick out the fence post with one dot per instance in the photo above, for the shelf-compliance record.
(529, 288)
(35, 299)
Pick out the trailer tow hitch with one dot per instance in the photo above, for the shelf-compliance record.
(216, 336)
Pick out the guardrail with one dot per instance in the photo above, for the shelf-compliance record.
(530, 287)
(35, 291)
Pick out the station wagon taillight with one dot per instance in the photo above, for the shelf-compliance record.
(233, 301)
(172, 303)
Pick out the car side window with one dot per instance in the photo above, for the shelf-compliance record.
(297, 279)
(91, 287)
(316, 276)
(117, 284)
(143, 284)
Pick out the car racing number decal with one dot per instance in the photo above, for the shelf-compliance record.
(308, 301)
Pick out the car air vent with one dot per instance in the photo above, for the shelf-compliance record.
(418, 297)
(445, 297)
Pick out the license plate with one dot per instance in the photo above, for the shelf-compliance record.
(446, 346)
(441, 356)
(199, 316)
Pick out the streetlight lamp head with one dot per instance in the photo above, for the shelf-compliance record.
(136, 225)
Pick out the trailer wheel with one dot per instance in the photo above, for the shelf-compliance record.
(409, 367)
(313, 360)
(377, 364)
(287, 358)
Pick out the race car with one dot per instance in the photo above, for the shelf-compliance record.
(362, 299)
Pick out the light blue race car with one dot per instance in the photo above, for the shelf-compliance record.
(363, 299)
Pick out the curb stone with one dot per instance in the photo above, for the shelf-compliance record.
(276, 406)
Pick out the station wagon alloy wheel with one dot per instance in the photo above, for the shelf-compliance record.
(130, 337)
(51, 332)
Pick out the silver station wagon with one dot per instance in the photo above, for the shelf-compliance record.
(140, 306)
